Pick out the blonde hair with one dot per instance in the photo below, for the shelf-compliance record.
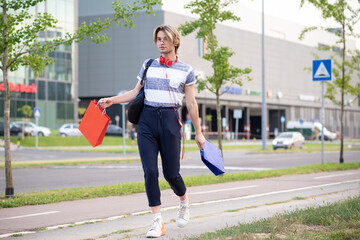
(171, 33)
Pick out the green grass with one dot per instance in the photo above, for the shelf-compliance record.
(53, 196)
(27, 164)
(55, 141)
(309, 148)
(340, 220)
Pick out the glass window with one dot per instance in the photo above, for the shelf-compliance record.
(60, 110)
(52, 90)
(68, 48)
(51, 54)
(32, 10)
(51, 8)
(1, 106)
(69, 71)
(61, 91)
(30, 96)
(61, 48)
(69, 9)
(19, 112)
(51, 71)
(13, 110)
(60, 55)
(68, 56)
(41, 7)
(60, 70)
(68, 95)
(50, 34)
(70, 111)
(60, 10)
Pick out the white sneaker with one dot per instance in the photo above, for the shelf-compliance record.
(183, 215)
(157, 229)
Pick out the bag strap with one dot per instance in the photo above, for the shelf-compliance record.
(145, 71)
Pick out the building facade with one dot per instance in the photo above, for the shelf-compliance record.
(55, 91)
(112, 67)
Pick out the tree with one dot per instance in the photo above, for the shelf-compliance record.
(81, 112)
(26, 110)
(20, 46)
(346, 62)
(210, 13)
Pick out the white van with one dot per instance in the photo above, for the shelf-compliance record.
(310, 130)
(327, 134)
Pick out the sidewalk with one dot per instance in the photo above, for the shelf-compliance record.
(212, 207)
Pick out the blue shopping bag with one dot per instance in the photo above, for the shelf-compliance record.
(212, 158)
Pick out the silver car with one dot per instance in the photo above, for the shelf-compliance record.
(69, 129)
(32, 129)
(289, 140)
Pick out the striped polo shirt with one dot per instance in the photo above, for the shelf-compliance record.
(165, 86)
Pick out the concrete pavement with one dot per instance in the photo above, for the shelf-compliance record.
(213, 207)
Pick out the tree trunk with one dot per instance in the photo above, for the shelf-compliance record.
(218, 114)
(342, 97)
(9, 190)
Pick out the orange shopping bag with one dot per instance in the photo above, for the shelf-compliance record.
(94, 124)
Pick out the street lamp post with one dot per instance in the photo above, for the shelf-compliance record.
(123, 121)
(263, 105)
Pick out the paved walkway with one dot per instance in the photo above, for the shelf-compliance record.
(213, 207)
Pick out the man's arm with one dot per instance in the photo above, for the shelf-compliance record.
(123, 98)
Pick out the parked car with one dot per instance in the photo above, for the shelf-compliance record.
(113, 130)
(14, 129)
(32, 129)
(288, 140)
(69, 129)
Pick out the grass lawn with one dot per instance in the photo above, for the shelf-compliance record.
(56, 141)
(339, 220)
(59, 195)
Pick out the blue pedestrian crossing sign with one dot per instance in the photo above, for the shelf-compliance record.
(321, 70)
(36, 112)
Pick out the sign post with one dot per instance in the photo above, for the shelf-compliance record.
(237, 115)
(36, 115)
(322, 72)
(282, 119)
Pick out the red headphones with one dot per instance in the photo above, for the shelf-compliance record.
(167, 62)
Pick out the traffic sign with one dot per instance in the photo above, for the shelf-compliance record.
(282, 119)
(321, 70)
(36, 112)
(237, 113)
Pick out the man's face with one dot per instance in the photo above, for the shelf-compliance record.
(163, 43)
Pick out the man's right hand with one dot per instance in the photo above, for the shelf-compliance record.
(105, 102)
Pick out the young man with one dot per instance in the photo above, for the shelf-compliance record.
(167, 81)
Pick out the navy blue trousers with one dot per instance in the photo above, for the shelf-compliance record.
(159, 131)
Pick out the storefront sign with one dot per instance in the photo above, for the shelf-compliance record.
(20, 87)
(231, 90)
(308, 98)
(251, 92)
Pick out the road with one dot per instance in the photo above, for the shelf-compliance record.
(35, 179)
(212, 207)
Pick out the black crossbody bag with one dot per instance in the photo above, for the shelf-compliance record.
(136, 106)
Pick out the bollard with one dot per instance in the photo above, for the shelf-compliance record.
(254, 139)
(243, 139)
(18, 143)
